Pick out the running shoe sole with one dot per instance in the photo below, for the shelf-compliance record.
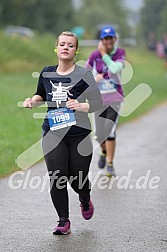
(59, 232)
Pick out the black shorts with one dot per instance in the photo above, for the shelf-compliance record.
(105, 122)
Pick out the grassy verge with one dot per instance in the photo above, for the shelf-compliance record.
(149, 69)
(18, 128)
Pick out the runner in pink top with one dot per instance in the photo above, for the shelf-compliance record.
(107, 63)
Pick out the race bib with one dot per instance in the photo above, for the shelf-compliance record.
(107, 86)
(61, 118)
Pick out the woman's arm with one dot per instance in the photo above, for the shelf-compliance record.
(39, 97)
(35, 101)
(75, 105)
(92, 93)
(113, 66)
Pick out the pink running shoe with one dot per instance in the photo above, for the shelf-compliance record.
(87, 210)
(63, 228)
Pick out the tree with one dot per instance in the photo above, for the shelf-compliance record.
(51, 15)
(58, 15)
(96, 12)
(153, 17)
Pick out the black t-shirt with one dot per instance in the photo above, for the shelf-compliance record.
(81, 85)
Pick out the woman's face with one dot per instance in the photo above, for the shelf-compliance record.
(66, 48)
(109, 43)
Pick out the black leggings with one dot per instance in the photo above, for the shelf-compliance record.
(64, 163)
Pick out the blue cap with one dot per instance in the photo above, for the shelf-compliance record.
(107, 31)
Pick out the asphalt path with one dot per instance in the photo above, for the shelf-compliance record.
(130, 211)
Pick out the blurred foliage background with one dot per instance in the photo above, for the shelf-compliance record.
(57, 15)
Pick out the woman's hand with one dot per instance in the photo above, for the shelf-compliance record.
(75, 105)
(99, 77)
(28, 103)
(102, 48)
(35, 101)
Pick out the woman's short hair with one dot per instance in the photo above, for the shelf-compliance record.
(68, 33)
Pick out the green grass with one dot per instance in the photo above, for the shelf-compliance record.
(26, 55)
(19, 58)
(149, 69)
(18, 128)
